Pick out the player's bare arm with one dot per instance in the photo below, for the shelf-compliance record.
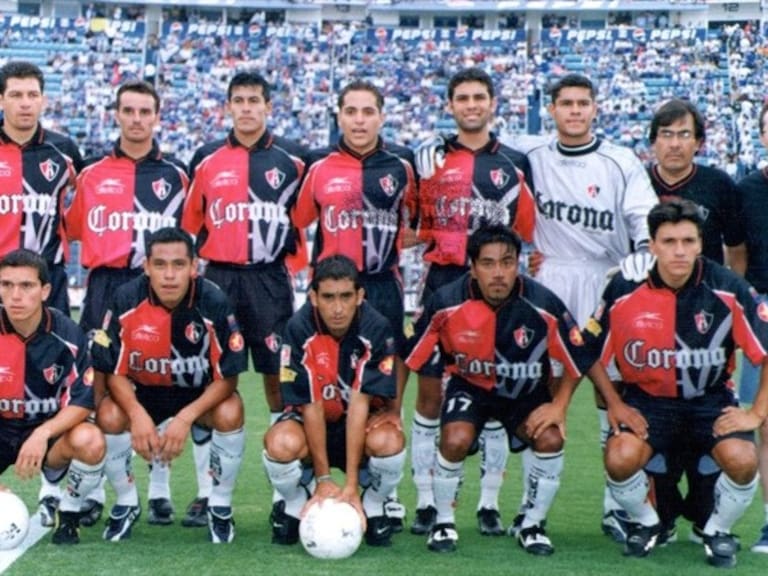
(619, 413)
(314, 429)
(357, 419)
(736, 419)
(144, 438)
(553, 413)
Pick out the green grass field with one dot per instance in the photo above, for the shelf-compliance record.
(574, 526)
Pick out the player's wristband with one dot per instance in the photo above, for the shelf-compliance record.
(324, 478)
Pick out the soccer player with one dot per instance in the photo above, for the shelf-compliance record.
(339, 386)
(480, 181)
(752, 191)
(172, 351)
(47, 391)
(677, 133)
(120, 198)
(496, 333)
(358, 191)
(673, 336)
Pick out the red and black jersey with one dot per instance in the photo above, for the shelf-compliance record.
(315, 366)
(34, 179)
(679, 343)
(753, 191)
(43, 373)
(360, 202)
(491, 185)
(240, 200)
(716, 194)
(190, 346)
(119, 201)
(507, 349)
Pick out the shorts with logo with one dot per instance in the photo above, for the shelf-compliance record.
(468, 403)
(384, 292)
(102, 284)
(262, 296)
(12, 438)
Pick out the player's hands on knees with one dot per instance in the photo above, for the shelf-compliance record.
(383, 418)
(535, 259)
(546, 415)
(174, 438)
(735, 419)
(32, 455)
(144, 438)
(430, 156)
(621, 415)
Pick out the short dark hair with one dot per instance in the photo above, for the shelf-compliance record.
(470, 75)
(20, 69)
(672, 212)
(140, 87)
(362, 85)
(672, 111)
(249, 78)
(336, 267)
(572, 81)
(495, 234)
(761, 117)
(170, 235)
(23, 258)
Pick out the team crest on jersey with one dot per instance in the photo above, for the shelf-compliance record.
(100, 337)
(499, 178)
(193, 332)
(523, 336)
(593, 327)
(703, 321)
(274, 178)
(386, 365)
(88, 376)
(574, 335)
(593, 190)
(53, 373)
(236, 342)
(388, 183)
(49, 169)
(161, 188)
(273, 342)
(762, 311)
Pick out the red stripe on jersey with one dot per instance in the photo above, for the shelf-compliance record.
(12, 377)
(556, 347)
(525, 216)
(145, 345)
(743, 333)
(11, 197)
(216, 351)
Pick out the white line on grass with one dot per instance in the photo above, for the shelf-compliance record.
(36, 531)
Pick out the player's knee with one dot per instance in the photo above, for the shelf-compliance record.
(549, 442)
(285, 441)
(455, 442)
(385, 440)
(88, 443)
(624, 456)
(229, 415)
(110, 418)
(738, 459)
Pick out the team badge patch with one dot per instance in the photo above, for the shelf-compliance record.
(703, 321)
(593, 190)
(88, 376)
(273, 342)
(499, 178)
(762, 311)
(161, 188)
(274, 178)
(287, 375)
(575, 336)
(593, 327)
(49, 169)
(285, 355)
(523, 336)
(386, 365)
(100, 337)
(53, 373)
(388, 183)
(193, 332)
(236, 342)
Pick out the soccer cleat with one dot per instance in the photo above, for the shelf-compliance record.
(667, 535)
(721, 549)
(221, 526)
(424, 521)
(67, 529)
(160, 511)
(489, 522)
(395, 511)
(378, 532)
(197, 514)
(285, 528)
(641, 539)
(91, 512)
(697, 537)
(534, 540)
(443, 538)
(517, 525)
(761, 546)
(616, 524)
(121, 519)
(47, 511)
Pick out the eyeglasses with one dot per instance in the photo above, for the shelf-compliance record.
(671, 134)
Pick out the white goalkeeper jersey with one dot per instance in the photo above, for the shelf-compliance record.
(591, 201)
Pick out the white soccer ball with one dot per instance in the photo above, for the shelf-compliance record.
(331, 529)
(14, 520)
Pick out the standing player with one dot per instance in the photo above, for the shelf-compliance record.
(676, 362)
(358, 191)
(479, 181)
(119, 200)
(753, 190)
(338, 380)
(497, 332)
(46, 394)
(173, 351)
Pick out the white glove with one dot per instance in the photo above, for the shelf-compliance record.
(636, 266)
(429, 156)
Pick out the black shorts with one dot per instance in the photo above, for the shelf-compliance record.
(102, 284)
(263, 300)
(11, 440)
(465, 402)
(670, 419)
(59, 296)
(385, 293)
(163, 402)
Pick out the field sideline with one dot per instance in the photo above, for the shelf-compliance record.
(574, 526)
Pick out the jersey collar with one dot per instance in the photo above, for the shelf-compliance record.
(590, 146)
(154, 152)
(473, 291)
(655, 281)
(262, 143)
(155, 301)
(37, 137)
(323, 329)
(490, 147)
(347, 150)
(45, 326)
(674, 185)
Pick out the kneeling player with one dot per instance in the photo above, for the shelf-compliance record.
(496, 332)
(338, 381)
(47, 391)
(172, 351)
